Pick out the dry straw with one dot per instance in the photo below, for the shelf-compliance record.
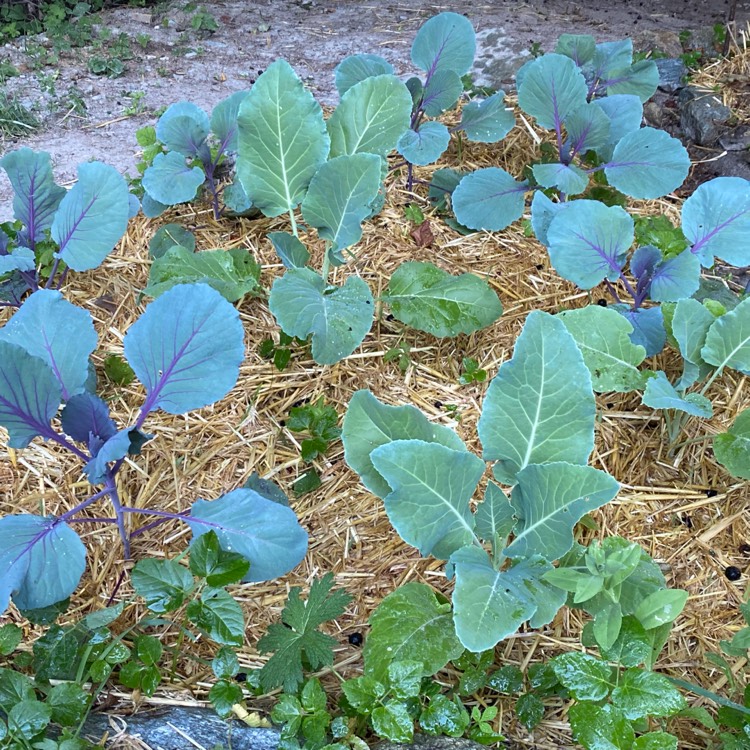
(685, 510)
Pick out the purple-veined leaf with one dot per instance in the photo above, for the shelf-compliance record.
(489, 198)
(92, 217)
(36, 196)
(41, 562)
(543, 210)
(648, 327)
(550, 89)
(85, 415)
(30, 395)
(644, 260)
(51, 328)
(609, 57)
(624, 113)
(578, 47)
(19, 259)
(186, 349)
(264, 532)
(117, 446)
(569, 179)
(441, 92)
(224, 121)
(184, 128)
(424, 146)
(444, 42)
(661, 394)
(356, 68)
(640, 79)
(487, 121)
(647, 163)
(716, 221)
(169, 180)
(676, 278)
(587, 128)
(589, 241)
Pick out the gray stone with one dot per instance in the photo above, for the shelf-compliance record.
(703, 40)
(672, 73)
(428, 742)
(701, 115)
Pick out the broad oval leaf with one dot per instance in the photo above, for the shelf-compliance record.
(603, 727)
(18, 259)
(647, 163)
(429, 299)
(550, 89)
(85, 415)
(540, 406)
(168, 236)
(578, 47)
(587, 678)
(716, 221)
(339, 197)
(648, 327)
(444, 42)
(169, 180)
(569, 179)
(92, 217)
(589, 242)
(59, 333)
(186, 349)
(432, 486)
(641, 79)
(661, 607)
(676, 278)
(235, 199)
(490, 605)
(543, 210)
(489, 198)
(732, 448)
(368, 424)
(690, 324)
(625, 114)
(30, 395)
(371, 117)
(183, 128)
(355, 68)
(603, 336)
(610, 57)
(588, 129)
(728, 340)
(42, 561)
(224, 121)
(151, 207)
(487, 121)
(641, 693)
(549, 500)
(441, 92)
(264, 532)
(36, 197)
(426, 145)
(411, 624)
(291, 251)
(494, 517)
(338, 319)
(282, 140)
(661, 394)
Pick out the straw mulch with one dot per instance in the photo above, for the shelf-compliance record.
(685, 510)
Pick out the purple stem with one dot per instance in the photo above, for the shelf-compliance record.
(119, 514)
(409, 176)
(154, 524)
(112, 596)
(212, 188)
(52, 273)
(67, 517)
(63, 276)
(92, 520)
(612, 291)
(31, 279)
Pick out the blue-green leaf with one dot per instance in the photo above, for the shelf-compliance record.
(235, 198)
(494, 517)
(610, 57)
(30, 395)
(543, 210)
(264, 532)
(676, 278)
(648, 327)
(339, 197)
(569, 179)
(59, 333)
(169, 180)
(625, 114)
(292, 252)
(589, 242)
(167, 237)
(224, 121)
(490, 605)
(429, 299)
(337, 317)
(603, 336)
(370, 118)
(35, 194)
(578, 47)
(92, 217)
(540, 406)
(588, 129)
(445, 42)
(183, 128)
(641, 79)
(550, 89)
(42, 561)
(728, 340)
(732, 448)
(151, 207)
(716, 221)
(661, 394)
(282, 140)
(424, 146)
(487, 121)
(355, 68)
(432, 486)
(647, 163)
(369, 424)
(186, 349)
(442, 91)
(18, 259)
(690, 324)
(549, 500)
(489, 198)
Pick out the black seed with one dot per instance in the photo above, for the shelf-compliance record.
(539, 266)
(609, 404)
(438, 404)
(733, 573)
(282, 422)
(260, 71)
(601, 302)
(356, 639)
(241, 677)
(711, 493)
(745, 549)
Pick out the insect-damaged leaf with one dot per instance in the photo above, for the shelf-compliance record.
(169, 180)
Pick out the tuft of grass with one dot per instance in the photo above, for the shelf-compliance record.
(16, 119)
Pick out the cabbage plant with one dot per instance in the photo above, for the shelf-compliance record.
(186, 349)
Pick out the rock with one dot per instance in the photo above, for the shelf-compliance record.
(658, 40)
(672, 72)
(703, 40)
(428, 742)
(701, 115)
(737, 139)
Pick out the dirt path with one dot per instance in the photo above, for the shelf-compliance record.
(172, 61)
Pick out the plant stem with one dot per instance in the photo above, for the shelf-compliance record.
(67, 517)
(119, 513)
(153, 524)
(293, 222)
(52, 274)
(326, 267)
(214, 193)
(612, 291)
(718, 699)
